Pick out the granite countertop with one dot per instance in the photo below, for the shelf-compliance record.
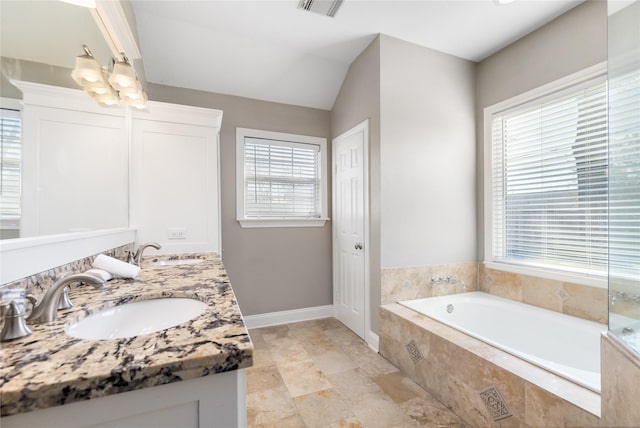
(50, 368)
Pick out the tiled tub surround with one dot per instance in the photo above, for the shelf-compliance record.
(49, 368)
(580, 301)
(620, 380)
(482, 384)
(405, 283)
(39, 283)
(565, 345)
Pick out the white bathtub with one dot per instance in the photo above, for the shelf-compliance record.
(562, 344)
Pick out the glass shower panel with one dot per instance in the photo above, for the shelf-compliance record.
(624, 171)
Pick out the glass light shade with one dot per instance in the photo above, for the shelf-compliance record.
(109, 98)
(123, 76)
(99, 87)
(138, 103)
(87, 70)
(132, 92)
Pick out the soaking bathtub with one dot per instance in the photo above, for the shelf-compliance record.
(562, 344)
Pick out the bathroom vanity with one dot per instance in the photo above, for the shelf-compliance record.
(191, 374)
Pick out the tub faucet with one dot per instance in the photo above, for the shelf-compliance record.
(46, 310)
(136, 258)
(614, 295)
(449, 279)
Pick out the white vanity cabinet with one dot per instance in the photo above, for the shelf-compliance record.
(75, 162)
(175, 197)
(215, 401)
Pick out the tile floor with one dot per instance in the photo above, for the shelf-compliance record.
(320, 374)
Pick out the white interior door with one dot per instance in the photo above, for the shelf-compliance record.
(350, 218)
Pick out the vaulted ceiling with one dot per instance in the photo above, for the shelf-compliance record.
(274, 51)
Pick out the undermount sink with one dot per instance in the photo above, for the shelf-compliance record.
(175, 262)
(136, 318)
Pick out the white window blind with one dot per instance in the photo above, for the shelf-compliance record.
(281, 179)
(10, 161)
(624, 169)
(549, 182)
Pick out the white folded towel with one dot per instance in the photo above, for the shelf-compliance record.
(100, 273)
(115, 267)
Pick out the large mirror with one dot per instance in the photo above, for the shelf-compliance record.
(39, 43)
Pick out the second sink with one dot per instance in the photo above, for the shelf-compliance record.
(136, 318)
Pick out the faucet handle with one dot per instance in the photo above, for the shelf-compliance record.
(65, 302)
(15, 326)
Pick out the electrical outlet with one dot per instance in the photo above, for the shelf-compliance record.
(177, 233)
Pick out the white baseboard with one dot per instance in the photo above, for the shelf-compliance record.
(373, 340)
(285, 317)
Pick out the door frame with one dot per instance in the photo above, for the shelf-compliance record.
(364, 128)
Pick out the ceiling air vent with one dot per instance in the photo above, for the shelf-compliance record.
(323, 7)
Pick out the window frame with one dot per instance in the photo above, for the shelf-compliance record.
(13, 222)
(554, 88)
(241, 134)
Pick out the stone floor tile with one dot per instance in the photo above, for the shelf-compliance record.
(333, 361)
(352, 384)
(347, 423)
(275, 332)
(294, 421)
(257, 339)
(315, 342)
(376, 410)
(343, 336)
(399, 387)
(321, 408)
(303, 378)
(269, 405)
(288, 350)
(262, 357)
(261, 378)
(320, 374)
(371, 363)
(431, 413)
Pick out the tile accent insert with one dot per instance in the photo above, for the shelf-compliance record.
(414, 352)
(495, 402)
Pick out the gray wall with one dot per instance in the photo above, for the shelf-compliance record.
(29, 71)
(570, 43)
(359, 99)
(272, 269)
(428, 156)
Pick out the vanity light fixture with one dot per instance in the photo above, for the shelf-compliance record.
(120, 87)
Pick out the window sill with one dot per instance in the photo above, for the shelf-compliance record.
(282, 222)
(576, 278)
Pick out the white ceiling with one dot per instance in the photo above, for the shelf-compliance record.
(49, 32)
(271, 50)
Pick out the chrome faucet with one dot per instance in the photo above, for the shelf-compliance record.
(614, 295)
(46, 310)
(449, 279)
(136, 258)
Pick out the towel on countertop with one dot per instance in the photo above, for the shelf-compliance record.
(100, 273)
(115, 267)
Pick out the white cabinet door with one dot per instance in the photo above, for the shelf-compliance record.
(75, 163)
(175, 187)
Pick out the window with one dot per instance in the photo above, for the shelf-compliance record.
(624, 173)
(280, 179)
(548, 182)
(10, 162)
